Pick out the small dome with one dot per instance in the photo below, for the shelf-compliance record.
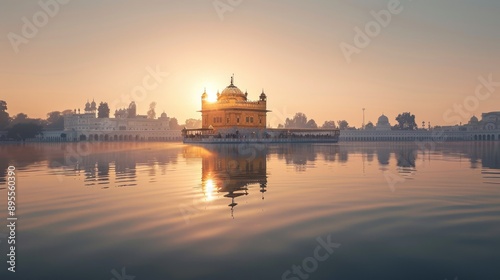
(263, 96)
(473, 119)
(383, 124)
(163, 115)
(383, 120)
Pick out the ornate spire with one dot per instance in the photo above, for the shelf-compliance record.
(232, 79)
(204, 95)
(263, 96)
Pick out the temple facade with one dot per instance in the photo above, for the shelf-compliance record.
(233, 118)
(233, 109)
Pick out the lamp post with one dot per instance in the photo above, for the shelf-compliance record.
(363, 125)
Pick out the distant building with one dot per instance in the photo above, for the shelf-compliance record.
(87, 127)
(486, 129)
(489, 121)
(383, 124)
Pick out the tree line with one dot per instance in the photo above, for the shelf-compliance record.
(300, 120)
(21, 127)
(404, 121)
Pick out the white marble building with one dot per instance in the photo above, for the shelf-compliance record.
(88, 127)
(486, 129)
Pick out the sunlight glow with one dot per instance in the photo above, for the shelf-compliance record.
(209, 190)
(212, 96)
(210, 89)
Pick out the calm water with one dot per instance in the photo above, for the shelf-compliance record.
(173, 211)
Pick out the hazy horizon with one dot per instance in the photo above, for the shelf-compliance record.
(425, 61)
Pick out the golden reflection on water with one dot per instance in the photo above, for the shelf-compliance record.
(209, 190)
(227, 170)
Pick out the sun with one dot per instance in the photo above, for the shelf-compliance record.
(210, 89)
(211, 96)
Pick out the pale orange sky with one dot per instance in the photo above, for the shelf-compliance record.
(427, 59)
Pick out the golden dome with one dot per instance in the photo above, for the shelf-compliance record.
(232, 92)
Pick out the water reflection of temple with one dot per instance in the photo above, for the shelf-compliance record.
(233, 170)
